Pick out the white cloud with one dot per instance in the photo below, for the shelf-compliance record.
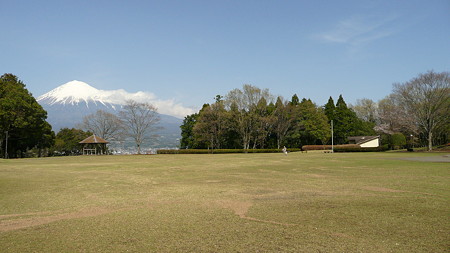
(357, 31)
(169, 107)
(120, 96)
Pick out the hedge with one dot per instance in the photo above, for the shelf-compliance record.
(328, 147)
(221, 151)
(359, 149)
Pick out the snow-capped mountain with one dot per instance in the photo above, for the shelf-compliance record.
(77, 92)
(67, 104)
(72, 92)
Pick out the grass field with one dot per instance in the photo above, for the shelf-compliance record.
(313, 202)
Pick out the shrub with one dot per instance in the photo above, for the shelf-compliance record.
(397, 140)
(359, 149)
(221, 151)
(327, 147)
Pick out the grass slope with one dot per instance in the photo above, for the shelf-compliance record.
(371, 202)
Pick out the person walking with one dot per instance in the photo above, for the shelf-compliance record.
(284, 150)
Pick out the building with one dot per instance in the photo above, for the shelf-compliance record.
(365, 141)
(94, 145)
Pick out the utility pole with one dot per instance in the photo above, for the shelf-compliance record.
(332, 137)
(6, 146)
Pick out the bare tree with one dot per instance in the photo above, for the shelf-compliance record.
(140, 120)
(104, 124)
(264, 121)
(393, 117)
(427, 99)
(242, 104)
(366, 109)
(282, 119)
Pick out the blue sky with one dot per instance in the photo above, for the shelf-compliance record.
(190, 51)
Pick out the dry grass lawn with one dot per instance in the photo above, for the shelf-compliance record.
(303, 202)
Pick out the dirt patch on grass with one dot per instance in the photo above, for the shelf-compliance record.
(8, 216)
(176, 168)
(213, 181)
(381, 189)
(240, 208)
(316, 175)
(42, 218)
(342, 235)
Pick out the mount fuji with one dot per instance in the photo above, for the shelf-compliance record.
(76, 93)
(67, 104)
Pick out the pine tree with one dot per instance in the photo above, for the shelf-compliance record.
(346, 123)
(329, 109)
(342, 121)
(294, 101)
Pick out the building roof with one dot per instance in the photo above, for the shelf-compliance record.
(93, 139)
(362, 139)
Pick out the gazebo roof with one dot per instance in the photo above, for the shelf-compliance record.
(93, 139)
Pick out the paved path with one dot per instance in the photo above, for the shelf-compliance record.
(436, 159)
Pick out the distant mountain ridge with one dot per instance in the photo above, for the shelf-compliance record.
(67, 104)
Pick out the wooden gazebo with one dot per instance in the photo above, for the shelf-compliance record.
(91, 143)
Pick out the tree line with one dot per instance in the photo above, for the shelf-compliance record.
(251, 118)
(416, 112)
(24, 131)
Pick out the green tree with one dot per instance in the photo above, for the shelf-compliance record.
(264, 121)
(314, 123)
(67, 141)
(282, 120)
(47, 140)
(343, 121)
(22, 118)
(211, 125)
(346, 123)
(397, 141)
(294, 101)
(330, 109)
(187, 132)
(233, 134)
